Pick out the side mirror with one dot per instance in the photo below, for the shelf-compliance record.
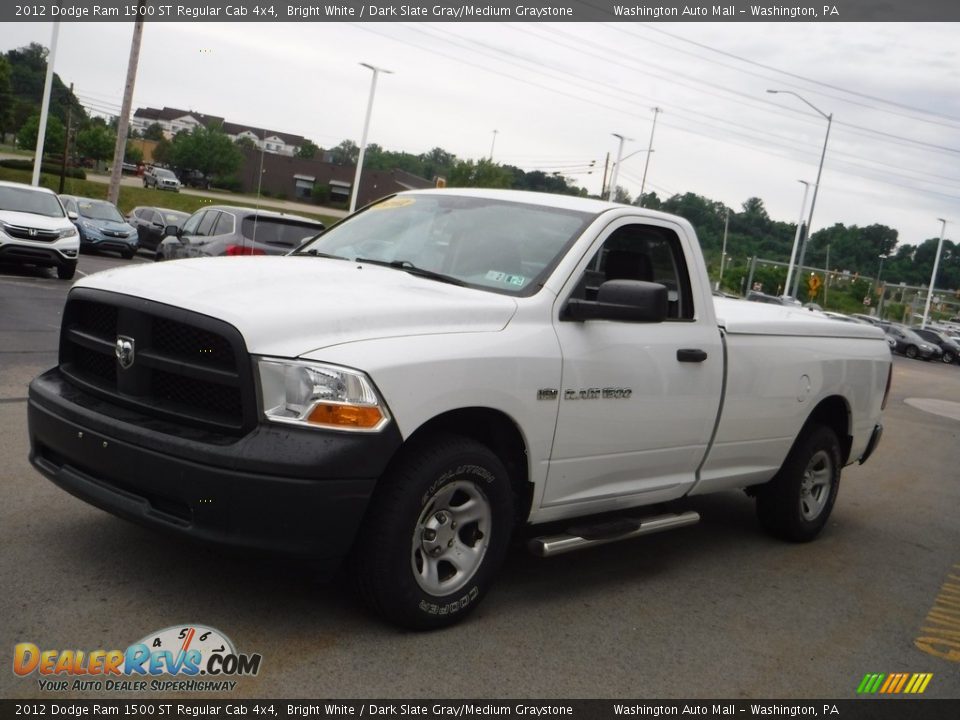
(172, 230)
(624, 300)
(72, 215)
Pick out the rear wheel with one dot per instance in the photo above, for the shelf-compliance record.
(911, 351)
(796, 504)
(948, 357)
(435, 534)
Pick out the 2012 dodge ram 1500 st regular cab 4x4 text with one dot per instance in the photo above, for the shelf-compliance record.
(438, 369)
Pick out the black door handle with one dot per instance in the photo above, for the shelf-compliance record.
(691, 355)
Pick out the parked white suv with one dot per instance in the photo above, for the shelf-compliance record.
(36, 230)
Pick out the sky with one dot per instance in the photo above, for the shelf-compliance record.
(551, 97)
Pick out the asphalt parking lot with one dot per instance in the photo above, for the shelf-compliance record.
(714, 610)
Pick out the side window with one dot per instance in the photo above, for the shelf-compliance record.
(141, 213)
(154, 217)
(642, 252)
(69, 205)
(190, 226)
(206, 225)
(224, 225)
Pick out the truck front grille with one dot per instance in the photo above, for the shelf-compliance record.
(185, 367)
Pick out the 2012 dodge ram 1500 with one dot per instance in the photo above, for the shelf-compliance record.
(438, 369)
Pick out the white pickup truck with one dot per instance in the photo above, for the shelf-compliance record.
(439, 371)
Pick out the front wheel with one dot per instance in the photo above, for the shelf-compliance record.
(796, 504)
(911, 352)
(948, 357)
(435, 534)
(66, 272)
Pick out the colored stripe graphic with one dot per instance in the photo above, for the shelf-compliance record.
(894, 683)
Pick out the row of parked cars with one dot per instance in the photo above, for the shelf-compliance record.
(930, 343)
(38, 227)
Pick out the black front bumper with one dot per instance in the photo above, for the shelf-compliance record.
(33, 255)
(293, 491)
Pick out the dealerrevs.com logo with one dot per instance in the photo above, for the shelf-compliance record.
(198, 658)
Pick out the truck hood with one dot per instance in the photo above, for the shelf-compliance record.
(290, 306)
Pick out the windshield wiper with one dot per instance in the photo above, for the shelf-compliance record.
(409, 267)
(317, 253)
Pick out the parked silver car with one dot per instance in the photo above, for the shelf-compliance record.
(161, 178)
(227, 230)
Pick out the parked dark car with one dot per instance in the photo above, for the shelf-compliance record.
(101, 226)
(912, 345)
(227, 230)
(151, 223)
(948, 346)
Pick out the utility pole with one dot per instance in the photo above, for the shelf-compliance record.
(826, 279)
(123, 123)
(616, 168)
(646, 165)
(723, 252)
(606, 167)
(492, 143)
(933, 275)
(66, 144)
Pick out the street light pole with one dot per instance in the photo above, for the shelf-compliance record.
(796, 238)
(45, 106)
(616, 167)
(492, 143)
(363, 139)
(933, 275)
(816, 188)
(879, 274)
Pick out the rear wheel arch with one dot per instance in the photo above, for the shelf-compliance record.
(834, 412)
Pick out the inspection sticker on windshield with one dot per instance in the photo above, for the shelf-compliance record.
(394, 202)
(517, 280)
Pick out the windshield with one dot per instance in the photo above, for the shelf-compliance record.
(165, 174)
(171, 217)
(287, 233)
(30, 201)
(99, 210)
(506, 247)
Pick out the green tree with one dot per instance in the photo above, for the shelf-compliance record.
(308, 150)
(346, 153)
(153, 131)
(161, 152)
(6, 97)
(483, 173)
(96, 142)
(133, 153)
(208, 150)
(53, 140)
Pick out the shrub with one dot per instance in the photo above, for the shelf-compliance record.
(49, 168)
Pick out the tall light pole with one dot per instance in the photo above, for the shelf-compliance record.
(45, 106)
(616, 167)
(363, 139)
(646, 165)
(816, 187)
(933, 275)
(796, 238)
(492, 143)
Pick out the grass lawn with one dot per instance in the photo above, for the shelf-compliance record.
(131, 197)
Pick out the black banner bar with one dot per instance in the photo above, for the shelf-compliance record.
(480, 11)
(878, 708)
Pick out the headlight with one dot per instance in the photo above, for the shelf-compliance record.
(321, 396)
(68, 232)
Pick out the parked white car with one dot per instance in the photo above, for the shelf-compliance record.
(35, 229)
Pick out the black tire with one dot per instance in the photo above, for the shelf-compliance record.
(411, 564)
(66, 272)
(948, 357)
(911, 351)
(796, 504)
(128, 254)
